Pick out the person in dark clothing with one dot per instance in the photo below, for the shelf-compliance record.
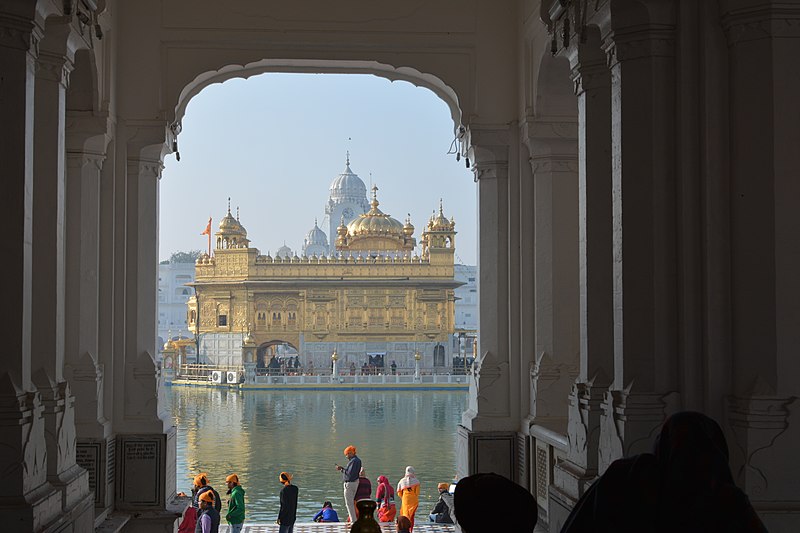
(288, 498)
(326, 514)
(441, 512)
(491, 502)
(364, 489)
(208, 517)
(403, 525)
(200, 486)
(684, 485)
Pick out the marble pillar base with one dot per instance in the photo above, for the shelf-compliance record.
(487, 451)
(97, 457)
(763, 448)
(145, 471)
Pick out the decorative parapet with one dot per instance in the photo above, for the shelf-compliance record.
(263, 267)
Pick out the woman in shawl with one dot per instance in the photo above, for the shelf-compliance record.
(384, 495)
(408, 492)
(684, 485)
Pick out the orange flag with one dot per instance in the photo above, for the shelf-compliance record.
(207, 231)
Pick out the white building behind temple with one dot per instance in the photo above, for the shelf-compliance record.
(467, 297)
(172, 296)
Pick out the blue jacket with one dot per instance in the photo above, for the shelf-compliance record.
(327, 514)
(350, 472)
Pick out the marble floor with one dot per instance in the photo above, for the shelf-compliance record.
(313, 527)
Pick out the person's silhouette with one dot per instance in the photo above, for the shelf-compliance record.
(491, 502)
(684, 485)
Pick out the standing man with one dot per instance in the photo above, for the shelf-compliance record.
(235, 516)
(288, 497)
(208, 518)
(350, 481)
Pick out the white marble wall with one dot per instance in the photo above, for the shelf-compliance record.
(637, 260)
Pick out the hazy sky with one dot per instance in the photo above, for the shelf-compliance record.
(274, 143)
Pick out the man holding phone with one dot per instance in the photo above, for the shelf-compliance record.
(350, 480)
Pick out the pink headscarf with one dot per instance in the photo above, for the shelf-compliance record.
(384, 490)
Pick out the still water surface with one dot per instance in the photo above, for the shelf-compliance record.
(258, 434)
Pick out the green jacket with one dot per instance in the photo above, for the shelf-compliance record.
(236, 506)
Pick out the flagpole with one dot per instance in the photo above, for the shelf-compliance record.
(209, 239)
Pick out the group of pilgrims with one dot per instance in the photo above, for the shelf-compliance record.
(684, 485)
(357, 487)
(205, 513)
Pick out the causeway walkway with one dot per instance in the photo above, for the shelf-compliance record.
(340, 527)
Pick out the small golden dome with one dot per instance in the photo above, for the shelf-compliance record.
(439, 222)
(375, 222)
(230, 225)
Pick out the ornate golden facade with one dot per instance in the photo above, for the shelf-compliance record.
(373, 295)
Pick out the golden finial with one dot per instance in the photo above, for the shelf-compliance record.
(441, 212)
(237, 212)
(229, 205)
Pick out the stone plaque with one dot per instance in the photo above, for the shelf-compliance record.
(87, 455)
(140, 471)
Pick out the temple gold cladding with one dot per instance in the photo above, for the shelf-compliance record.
(373, 294)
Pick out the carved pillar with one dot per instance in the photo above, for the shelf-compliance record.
(487, 436)
(145, 444)
(48, 295)
(28, 502)
(86, 146)
(82, 292)
(593, 88)
(764, 411)
(554, 162)
(644, 236)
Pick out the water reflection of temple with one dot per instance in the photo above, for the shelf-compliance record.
(375, 298)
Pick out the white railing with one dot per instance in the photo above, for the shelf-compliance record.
(387, 379)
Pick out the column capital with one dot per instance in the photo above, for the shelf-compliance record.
(760, 19)
(19, 34)
(489, 149)
(54, 67)
(626, 45)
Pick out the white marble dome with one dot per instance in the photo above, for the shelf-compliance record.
(316, 236)
(348, 186)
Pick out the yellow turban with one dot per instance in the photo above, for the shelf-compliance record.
(233, 478)
(207, 496)
(443, 486)
(350, 449)
(285, 477)
(201, 479)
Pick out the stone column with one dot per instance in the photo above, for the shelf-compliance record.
(48, 292)
(593, 88)
(764, 410)
(488, 434)
(641, 58)
(145, 445)
(86, 146)
(554, 162)
(28, 501)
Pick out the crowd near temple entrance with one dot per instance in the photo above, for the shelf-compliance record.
(636, 173)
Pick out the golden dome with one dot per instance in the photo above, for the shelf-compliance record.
(231, 225)
(439, 222)
(408, 227)
(375, 222)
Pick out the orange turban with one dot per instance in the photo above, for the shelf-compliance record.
(350, 449)
(207, 496)
(443, 486)
(201, 480)
(233, 478)
(285, 477)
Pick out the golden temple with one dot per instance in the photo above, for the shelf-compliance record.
(375, 293)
